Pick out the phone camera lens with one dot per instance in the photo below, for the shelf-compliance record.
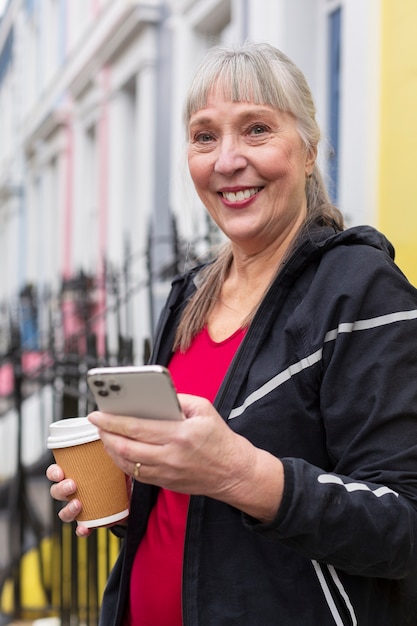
(98, 383)
(103, 392)
(114, 387)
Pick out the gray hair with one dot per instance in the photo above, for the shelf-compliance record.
(258, 73)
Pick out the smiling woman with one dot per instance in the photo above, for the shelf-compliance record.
(246, 156)
(295, 471)
(249, 167)
(253, 140)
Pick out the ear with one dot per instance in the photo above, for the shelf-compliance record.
(311, 157)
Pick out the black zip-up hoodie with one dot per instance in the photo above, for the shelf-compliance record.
(326, 380)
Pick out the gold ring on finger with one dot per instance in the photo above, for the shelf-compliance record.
(136, 471)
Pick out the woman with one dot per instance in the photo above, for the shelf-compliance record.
(289, 494)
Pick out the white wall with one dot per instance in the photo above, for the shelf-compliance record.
(360, 110)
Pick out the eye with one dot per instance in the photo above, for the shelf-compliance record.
(203, 138)
(258, 129)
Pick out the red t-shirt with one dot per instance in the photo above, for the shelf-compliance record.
(156, 578)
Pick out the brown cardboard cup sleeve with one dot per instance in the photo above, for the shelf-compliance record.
(101, 485)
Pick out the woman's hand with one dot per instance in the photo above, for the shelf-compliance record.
(61, 490)
(198, 455)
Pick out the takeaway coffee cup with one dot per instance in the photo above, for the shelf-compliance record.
(101, 485)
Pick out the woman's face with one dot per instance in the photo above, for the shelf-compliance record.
(249, 167)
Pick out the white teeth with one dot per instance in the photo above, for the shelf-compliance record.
(231, 196)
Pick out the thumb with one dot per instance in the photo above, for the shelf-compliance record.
(193, 406)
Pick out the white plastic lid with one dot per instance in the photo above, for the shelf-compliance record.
(71, 431)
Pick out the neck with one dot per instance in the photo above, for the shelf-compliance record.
(260, 260)
(258, 268)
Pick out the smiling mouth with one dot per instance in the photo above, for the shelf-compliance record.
(238, 196)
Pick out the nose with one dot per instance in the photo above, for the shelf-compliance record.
(230, 156)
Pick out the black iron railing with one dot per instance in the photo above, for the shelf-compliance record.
(45, 570)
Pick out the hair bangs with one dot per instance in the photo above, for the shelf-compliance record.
(239, 78)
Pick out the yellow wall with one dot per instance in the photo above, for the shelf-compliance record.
(397, 215)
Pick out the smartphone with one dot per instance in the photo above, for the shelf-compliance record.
(139, 391)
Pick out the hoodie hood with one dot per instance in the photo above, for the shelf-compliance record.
(326, 238)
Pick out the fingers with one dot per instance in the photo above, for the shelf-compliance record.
(54, 473)
(62, 489)
(142, 429)
(70, 511)
(170, 454)
(83, 531)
